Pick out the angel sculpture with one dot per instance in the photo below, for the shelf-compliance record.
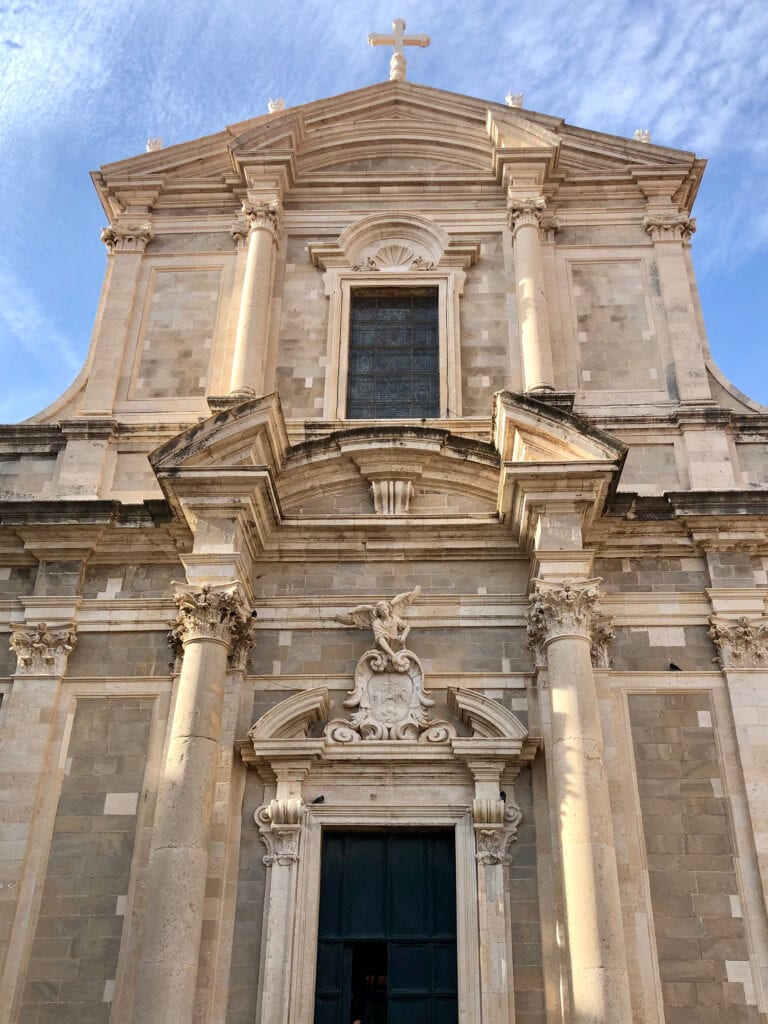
(385, 619)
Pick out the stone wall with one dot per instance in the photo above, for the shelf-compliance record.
(73, 963)
(485, 361)
(303, 334)
(617, 344)
(177, 334)
(700, 938)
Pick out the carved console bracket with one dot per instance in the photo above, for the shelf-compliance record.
(280, 823)
(42, 650)
(495, 823)
(740, 643)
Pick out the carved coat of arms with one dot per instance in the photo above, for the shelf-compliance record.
(388, 700)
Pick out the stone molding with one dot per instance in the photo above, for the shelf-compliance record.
(669, 227)
(280, 824)
(126, 239)
(740, 643)
(495, 824)
(42, 650)
(217, 614)
(563, 609)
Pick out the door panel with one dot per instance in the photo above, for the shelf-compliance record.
(387, 935)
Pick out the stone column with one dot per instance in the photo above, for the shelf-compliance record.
(742, 647)
(25, 738)
(560, 624)
(280, 827)
(259, 230)
(211, 622)
(524, 217)
(125, 247)
(671, 232)
(495, 825)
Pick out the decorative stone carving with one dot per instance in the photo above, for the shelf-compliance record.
(280, 823)
(276, 105)
(525, 213)
(602, 633)
(562, 609)
(388, 697)
(391, 497)
(514, 99)
(741, 643)
(154, 144)
(394, 259)
(219, 614)
(398, 39)
(255, 217)
(641, 135)
(386, 621)
(42, 650)
(496, 826)
(389, 702)
(671, 226)
(126, 239)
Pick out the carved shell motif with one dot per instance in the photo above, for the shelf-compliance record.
(393, 257)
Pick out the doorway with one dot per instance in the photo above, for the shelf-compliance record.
(387, 929)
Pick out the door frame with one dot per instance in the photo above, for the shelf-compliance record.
(419, 818)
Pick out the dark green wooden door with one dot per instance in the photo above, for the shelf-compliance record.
(387, 937)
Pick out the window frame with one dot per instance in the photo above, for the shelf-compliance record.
(339, 287)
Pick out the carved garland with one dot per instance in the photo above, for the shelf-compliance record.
(670, 227)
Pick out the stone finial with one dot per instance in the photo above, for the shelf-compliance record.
(398, 39)
(42, 650)
(641, 135)
(219, 614)
(669, 226)
(126, 239)
(274, 106)
(525, 212)
(741, 643)
(562, 609)
(514, 99)
(154, 144)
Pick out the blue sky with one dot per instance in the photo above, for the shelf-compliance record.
(83, 83)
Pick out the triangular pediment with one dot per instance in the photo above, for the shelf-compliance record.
(388, 129)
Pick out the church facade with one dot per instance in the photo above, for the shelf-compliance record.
(385, 603)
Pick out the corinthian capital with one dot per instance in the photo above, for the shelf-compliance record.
(219, 614)
(262, 216)
(562, 609)
(526, 213)
(741, 643)
(669, 227)
(42, 651)
(126, 239)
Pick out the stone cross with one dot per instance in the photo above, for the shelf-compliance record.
(398, 39)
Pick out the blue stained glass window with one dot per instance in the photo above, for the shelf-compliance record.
(393, 354)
